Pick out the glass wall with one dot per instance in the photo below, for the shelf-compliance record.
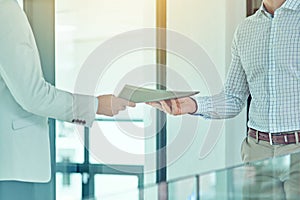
(269, 178)
(81, 27)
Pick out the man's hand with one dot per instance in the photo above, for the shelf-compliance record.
(179, 106)
(110, 105)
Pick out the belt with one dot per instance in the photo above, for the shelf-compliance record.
(275, 138)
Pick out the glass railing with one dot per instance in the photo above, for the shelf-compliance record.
(274, 178)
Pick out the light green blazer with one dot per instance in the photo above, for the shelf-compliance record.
(27, 100)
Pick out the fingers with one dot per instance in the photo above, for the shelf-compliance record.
(172, 107)
(111, 105)
(131, 104)
(122, 108)
(125, 103)
(166, 107)
(176, 108)
(119, 104)
(156, 105)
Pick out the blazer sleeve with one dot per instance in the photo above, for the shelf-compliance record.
(21, 71)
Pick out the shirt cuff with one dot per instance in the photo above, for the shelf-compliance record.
(83, 109)
(201, 105)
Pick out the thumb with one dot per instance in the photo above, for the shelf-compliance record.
(131, 104)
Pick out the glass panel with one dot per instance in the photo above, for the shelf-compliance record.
(115, 187)
(68, 186)
(208, 183)
(117, 142)
(274, 178)
(150, 192)
(182, 189)
(81, 27)
(213, 185)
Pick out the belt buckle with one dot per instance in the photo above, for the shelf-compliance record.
(296, 137)
(271, 139)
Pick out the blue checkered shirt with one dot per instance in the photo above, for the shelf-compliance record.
(266, 64)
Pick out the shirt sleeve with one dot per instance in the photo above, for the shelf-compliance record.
(231, 100)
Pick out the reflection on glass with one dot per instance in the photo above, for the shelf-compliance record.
(115, 187)
(182, 189)
(150, 192)
(264, 179)
(208, 185)
(68, 186)
(274, 178)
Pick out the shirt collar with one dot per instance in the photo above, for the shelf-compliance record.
(262, 10)
(288, 4)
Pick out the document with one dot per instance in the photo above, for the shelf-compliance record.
(141, 95)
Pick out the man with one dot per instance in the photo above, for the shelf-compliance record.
(266, 64)
(27, 101)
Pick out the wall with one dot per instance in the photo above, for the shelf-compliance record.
(192, 145)
(211, 25)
